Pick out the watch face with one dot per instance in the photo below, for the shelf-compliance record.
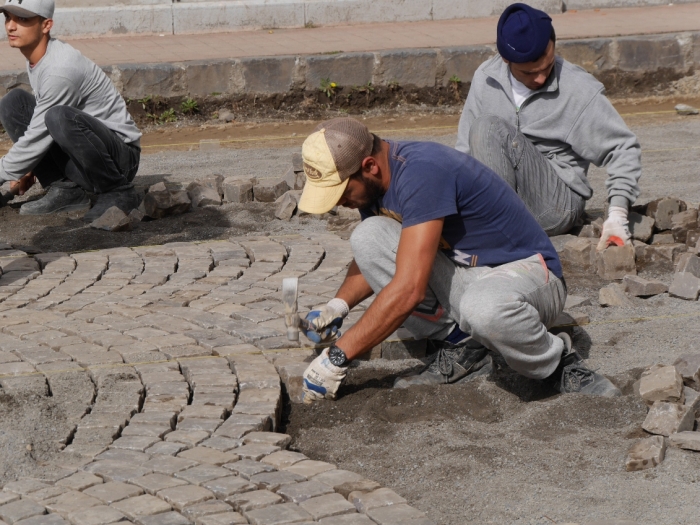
(337, 356)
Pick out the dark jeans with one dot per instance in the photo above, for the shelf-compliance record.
(85, 151)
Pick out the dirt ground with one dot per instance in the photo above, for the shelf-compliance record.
(501, 450)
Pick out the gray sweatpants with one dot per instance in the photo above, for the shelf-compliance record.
(507, 308)
(502, 148)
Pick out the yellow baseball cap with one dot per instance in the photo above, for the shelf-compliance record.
(331, 155)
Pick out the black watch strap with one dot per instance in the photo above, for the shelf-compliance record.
(337, 357)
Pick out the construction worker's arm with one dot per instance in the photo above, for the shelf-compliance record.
(418, 246)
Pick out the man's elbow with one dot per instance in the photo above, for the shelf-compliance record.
(415, 298)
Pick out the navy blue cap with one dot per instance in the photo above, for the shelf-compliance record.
(523, 33)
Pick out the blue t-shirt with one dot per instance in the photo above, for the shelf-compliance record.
(486, 223)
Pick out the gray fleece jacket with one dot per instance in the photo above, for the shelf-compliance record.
(64, 77)
(569, 120)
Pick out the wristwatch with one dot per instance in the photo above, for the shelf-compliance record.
(337, 357)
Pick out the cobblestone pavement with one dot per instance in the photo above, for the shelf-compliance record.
(174, 351)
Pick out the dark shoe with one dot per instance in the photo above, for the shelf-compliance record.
(62, 196)
(126, 198)
(572, 376)
(451, 364)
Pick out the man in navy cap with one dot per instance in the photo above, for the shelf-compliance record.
(539, 122)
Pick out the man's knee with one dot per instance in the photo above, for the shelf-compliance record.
(373, 236)
(483, 319)
(14, 99)
(484, 132)
(374, 231)
(56, 119)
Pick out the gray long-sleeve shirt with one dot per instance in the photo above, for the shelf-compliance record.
(64, 77)
(569, 120)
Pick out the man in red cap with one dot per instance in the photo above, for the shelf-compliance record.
(539, 122)
(451, 253)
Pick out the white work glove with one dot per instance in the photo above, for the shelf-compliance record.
(325, 321)
(615, 229)
(322, 379)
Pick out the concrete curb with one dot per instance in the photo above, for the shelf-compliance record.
(614, 61)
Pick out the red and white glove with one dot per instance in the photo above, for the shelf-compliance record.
(615, 229)
(322, 379)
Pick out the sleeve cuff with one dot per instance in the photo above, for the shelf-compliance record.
(620, 201)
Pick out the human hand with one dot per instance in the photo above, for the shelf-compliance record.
(615, 229)
(19, 187)
(322, 379)
(325, 321)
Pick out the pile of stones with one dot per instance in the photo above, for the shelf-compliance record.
(672, 394)
(665, 234)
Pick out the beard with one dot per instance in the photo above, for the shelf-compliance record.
(373, 193)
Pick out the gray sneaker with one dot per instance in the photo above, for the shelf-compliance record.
(62, 196)
(572, 376)
(126, 198)
(451, 364)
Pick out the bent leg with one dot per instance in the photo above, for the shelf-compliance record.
(509, 309)
(507, 152)
(101, 160)
(374, 245)
(16, 110)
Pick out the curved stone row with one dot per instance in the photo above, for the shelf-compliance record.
(168, 361)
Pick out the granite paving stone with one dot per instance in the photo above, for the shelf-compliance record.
(163, 464)
(327, 505)
(202, 473)
(347, 519)
(112, 470)
(298, 492)
(45, 519)
(21, 510)
(212, 506)
(284, 458)
(166, 449)
(191, 438)
(138, 443)
(309, 468)
(126, 456)
(225, 518)
(221, 443)
(256, 499)
(228, 486)
(246, 468)
(24, 486)
(274, 480)
(8, 497)
(47, 493)
(256, 451)
(113, 491)
(193, 424)
(268, 438)
(152, 483)
(377, 498)
(99, 515)
(286, 513)
(158, 431)
(165, 518)
(399, 514)
(337, 477)
(208, 455)
(185, 495)
(70, 501)
(145, 505)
